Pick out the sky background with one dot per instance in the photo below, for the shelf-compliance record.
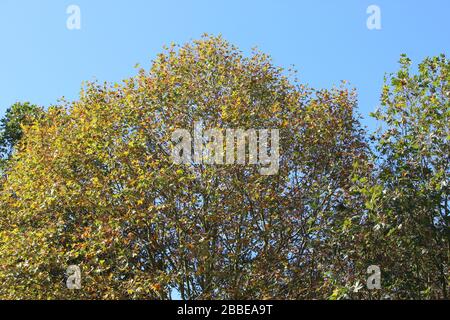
(327, 40)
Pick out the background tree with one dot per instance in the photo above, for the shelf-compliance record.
(408, 202)
(17, 116)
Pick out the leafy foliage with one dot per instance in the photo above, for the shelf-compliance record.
(410, 200)
(92, 183)
(18, 115)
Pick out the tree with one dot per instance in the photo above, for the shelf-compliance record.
(17, 116)
(93, 184)
(408, 202)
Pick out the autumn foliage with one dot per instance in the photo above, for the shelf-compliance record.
(92, 183)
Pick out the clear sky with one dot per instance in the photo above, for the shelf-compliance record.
(327, 40)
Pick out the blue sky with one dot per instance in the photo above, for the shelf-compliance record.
(327, 40)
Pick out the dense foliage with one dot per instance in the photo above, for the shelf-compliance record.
(17, 116)
(410, 204)
(92, 183)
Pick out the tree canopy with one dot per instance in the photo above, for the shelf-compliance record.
(92, 183)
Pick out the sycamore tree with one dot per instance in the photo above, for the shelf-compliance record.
(93, 184)
(408, 206)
